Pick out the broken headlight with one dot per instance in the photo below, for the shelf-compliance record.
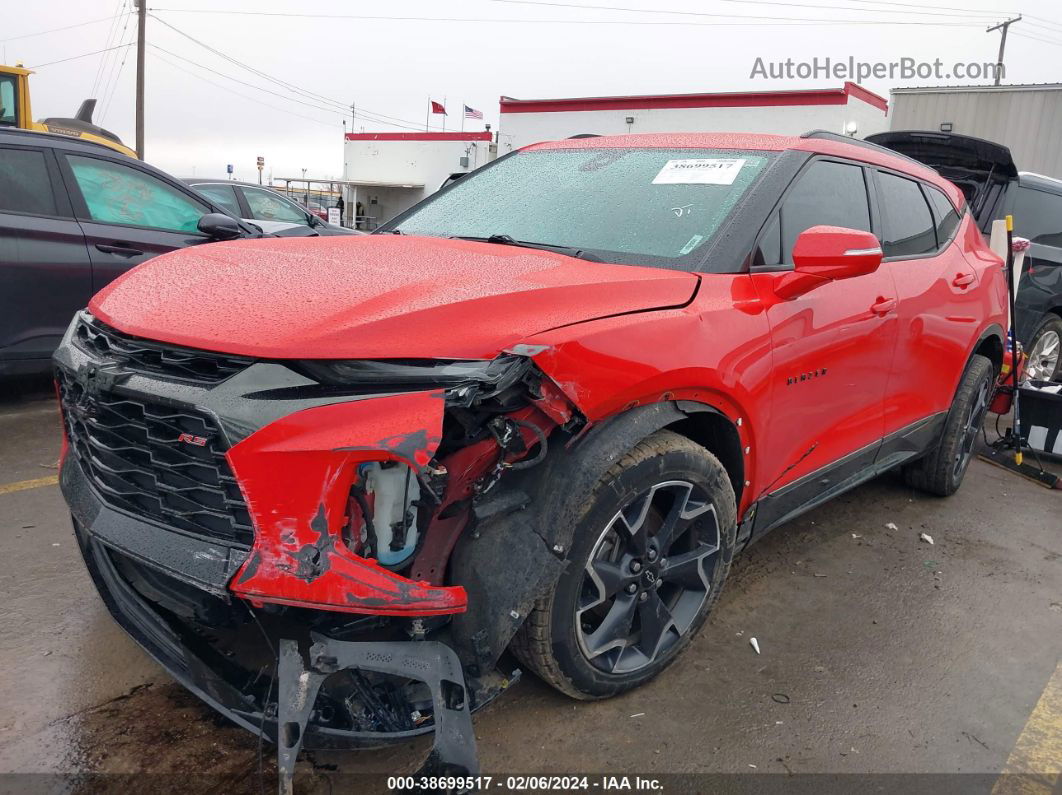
(455, 375)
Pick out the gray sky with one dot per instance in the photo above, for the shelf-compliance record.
(523, 49)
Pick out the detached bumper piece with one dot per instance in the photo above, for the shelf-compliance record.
(433, 663)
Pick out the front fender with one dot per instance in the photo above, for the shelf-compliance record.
(296, 474)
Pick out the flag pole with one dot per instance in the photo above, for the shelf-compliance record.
(427, 115)
(462, 116)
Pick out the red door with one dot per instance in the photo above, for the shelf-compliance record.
(833, 347)
(939, 301)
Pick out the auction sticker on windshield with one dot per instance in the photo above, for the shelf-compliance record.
(700, 171)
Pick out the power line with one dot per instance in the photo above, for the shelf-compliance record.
(56, 30)
(117, 79)
(318, 107)
(237, 93)
(922, 5)
(111, 30)
(83, 55)
(258, 72)
(242, 82)
(111, 64)
(763, 21)
(1045, 21)
(709, 14)
(1031, 37)
(315, 98)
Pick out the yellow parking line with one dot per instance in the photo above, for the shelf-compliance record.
(1035, 764)
(22, 485)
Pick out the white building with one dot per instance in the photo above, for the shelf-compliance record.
(850, 108)
(388, 172)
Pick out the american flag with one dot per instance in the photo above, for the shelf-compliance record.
(472, 113)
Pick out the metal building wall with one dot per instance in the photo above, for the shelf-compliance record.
(1027, 120)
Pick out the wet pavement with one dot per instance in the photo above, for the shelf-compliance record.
(880, 653)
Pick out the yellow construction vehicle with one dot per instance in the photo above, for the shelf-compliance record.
(15, 112)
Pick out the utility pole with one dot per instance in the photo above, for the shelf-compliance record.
(141, 48)
(1002, 27)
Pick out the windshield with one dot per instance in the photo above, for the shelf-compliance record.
(631, 206)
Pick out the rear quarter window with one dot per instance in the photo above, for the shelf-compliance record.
(909, 227)
(944, 213)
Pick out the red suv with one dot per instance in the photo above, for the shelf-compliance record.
(533, 417)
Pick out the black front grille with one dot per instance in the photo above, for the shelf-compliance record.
(157, 358)
(133, 453)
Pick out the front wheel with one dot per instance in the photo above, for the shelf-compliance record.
(647, 562)
(941, 471)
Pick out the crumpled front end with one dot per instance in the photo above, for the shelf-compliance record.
(226, 504)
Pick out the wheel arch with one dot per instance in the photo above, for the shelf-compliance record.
(699, 422)
(990, 345)
(719, 435)
(517, 554)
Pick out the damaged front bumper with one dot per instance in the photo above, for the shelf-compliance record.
(210, 514)
(106, 537)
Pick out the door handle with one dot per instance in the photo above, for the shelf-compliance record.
(883, 306)
(120, 250)
(963, 280)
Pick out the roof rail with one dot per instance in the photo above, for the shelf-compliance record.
(826, 135)
(584, 135)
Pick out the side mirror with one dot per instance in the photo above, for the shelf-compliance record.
(219, 226)
(827, 253)
(834, 252)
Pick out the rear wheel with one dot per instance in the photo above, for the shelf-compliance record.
(647, 563)
(1045, 351)
(942, 470)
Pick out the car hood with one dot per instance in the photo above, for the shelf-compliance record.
(375, 296)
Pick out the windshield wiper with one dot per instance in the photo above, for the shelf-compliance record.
(508, 240)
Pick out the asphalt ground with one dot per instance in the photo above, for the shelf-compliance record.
(880, 655)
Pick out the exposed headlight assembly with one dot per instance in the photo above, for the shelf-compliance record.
(463, 379)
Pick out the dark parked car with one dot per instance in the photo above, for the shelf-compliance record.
(73, 216)
(994, 188)
(266, 208)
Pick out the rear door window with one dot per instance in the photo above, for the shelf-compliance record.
(223, 195)
(909, 228)
(1038, 216)
(118, 194)
(25, 186)
(826, 193)
(944, 213)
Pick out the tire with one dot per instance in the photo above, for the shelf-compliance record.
(942, 470)
(665, 486)
(1045, 351)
